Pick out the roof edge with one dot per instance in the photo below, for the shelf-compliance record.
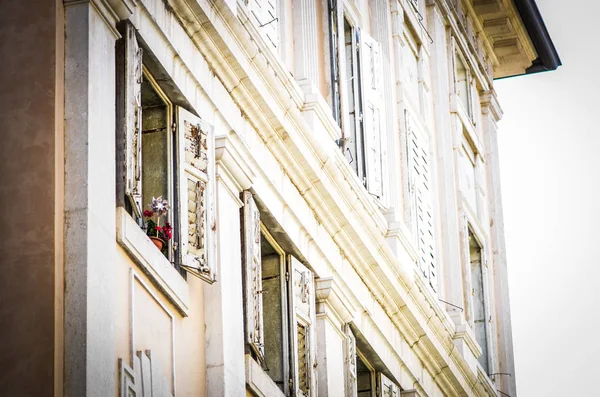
(548, 58)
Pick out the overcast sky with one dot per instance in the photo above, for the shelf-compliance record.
(550, 165)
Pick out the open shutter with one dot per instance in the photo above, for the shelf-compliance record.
(130, 71)
(373, 115)
(253, 277)
(264, 14)
(386, 387)
(302, 300)
(350, 363)
(197, 196)
(421, 195)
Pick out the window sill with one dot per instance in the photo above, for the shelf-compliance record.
(158, 269)
(259, 382)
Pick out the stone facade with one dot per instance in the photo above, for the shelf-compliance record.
(332, 173)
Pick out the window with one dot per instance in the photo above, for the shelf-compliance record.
(335, 70)
(265, 15)
(421, 195)
(362, 380)
(462, 84)
(279, 308)
(357, 98)
(466, 159)
(479, 317)
(164, 151)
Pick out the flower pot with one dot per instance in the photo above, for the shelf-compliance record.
(159, 242)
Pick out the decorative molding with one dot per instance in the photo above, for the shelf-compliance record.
(329, 292)
(159, 270)
(229, 156)
(133, 278)
(144, 379)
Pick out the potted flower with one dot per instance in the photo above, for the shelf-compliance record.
(157, 233)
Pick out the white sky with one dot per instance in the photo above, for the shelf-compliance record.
(550, 163)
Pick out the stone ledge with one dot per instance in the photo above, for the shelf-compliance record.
(152, 262)
(259, 382)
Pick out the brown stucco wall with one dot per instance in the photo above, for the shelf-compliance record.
(28, 189)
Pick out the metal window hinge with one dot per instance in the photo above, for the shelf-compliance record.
(287, 276)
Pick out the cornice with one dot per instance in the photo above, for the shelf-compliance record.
(328, 291)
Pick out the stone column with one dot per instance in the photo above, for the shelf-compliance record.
(223, 300)
(333, 313)
(31, 193)
(90, 241)
(491, 115)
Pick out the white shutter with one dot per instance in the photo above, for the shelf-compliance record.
(386, 387)
(197, 185)
(263, 13)
(421, 196)
(373, 114)
(132, 70)
(350, 363)
(253, 277)
(302, 300)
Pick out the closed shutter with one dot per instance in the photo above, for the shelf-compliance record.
(373, 115)
(196, 184)
(422, 201)
(263, 14)
(130, 70)
(302, 301)
(253, 277)
(350, 363)
(386, 387)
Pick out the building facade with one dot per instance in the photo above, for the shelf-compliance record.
(334, 219)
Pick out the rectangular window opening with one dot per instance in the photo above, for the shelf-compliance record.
(478, 296)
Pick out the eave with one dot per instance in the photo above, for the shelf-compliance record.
(548, 58)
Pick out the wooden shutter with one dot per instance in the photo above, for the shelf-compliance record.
(350, 363)
(129, 115)
(197, 185)
(373, 115)
(302, 300)
(386, 387)
(264, 14)
(421, 198)
(253, 277)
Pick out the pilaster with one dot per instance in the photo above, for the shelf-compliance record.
(90, 240)
(491, 114)
(223, 300)
(333, 311)
(448, 223)
(306, 62)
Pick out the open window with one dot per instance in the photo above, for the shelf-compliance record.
(357, 97)
(279, 296)
(165, 165)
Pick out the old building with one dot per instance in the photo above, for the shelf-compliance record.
(331, 173)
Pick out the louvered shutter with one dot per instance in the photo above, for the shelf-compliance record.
(350, 363)
(263, 14)
(130, 66)
(253, 277)
(302, 329)
(197, 184)
(386, 387)
(421, 196)
(373, 116)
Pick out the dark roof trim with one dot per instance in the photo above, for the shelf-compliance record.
(534, 23)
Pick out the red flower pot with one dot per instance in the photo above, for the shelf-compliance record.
(159, 242)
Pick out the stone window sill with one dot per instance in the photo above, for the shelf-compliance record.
(259, 382)
(158, 269)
